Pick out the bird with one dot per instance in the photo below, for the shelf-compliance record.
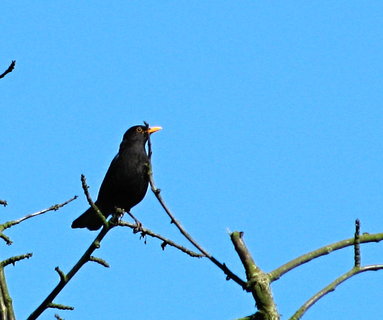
(126, 181)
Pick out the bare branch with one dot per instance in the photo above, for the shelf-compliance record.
(357, 256)
(60, 306)
(277, 273)
(147, 232)
(99, 261)
(7, 240)
(13, 260)
(99, 214)
(9, 224)
(10, 69)
(6, 305)
(229, 274)
(257, 280)
(244, 254)
(66, 278)
(331, 287)
(51, 208)
(61, 274)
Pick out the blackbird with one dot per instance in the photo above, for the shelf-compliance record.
(126, 181)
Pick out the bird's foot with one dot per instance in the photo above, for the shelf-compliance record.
(118, 214)
(138, 227)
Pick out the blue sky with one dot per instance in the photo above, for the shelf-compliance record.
(272, 122)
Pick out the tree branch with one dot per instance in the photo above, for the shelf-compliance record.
(99, 214)
(60, 306)
(55, 207)
(147, 232)
(331, 287)
(65, 278)
(14, 259)
(10, 69)
(357, 256)
(258, 282)
(277, 273)
(12, 223)
(229, 274)
(99, 261)
(6, 306)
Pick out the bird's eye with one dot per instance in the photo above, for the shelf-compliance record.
(139, 129)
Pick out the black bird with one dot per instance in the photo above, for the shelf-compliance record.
(126, 181)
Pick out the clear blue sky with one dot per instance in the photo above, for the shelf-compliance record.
(272, 117)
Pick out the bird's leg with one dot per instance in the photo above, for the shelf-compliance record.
(138, 227)
(118, 214)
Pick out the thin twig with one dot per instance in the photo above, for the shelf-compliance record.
(156, 191)
(7, 240)
(60, 306)
(51, 208)
(99, 214)
(331, 287)
(357, 256)
(9, 224)
(9, 69)
(99, 261)
(61, 274)
(65, 278)
(165, 241)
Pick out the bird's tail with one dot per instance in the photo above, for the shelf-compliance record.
(88, 219)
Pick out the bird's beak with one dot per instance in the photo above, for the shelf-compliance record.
(154, 129)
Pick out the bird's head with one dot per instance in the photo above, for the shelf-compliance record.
(138, 134)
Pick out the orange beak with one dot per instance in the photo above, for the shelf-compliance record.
(154, 129)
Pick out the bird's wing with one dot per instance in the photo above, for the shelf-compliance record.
(109, 184)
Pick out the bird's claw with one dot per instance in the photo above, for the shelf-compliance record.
(138, 228)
